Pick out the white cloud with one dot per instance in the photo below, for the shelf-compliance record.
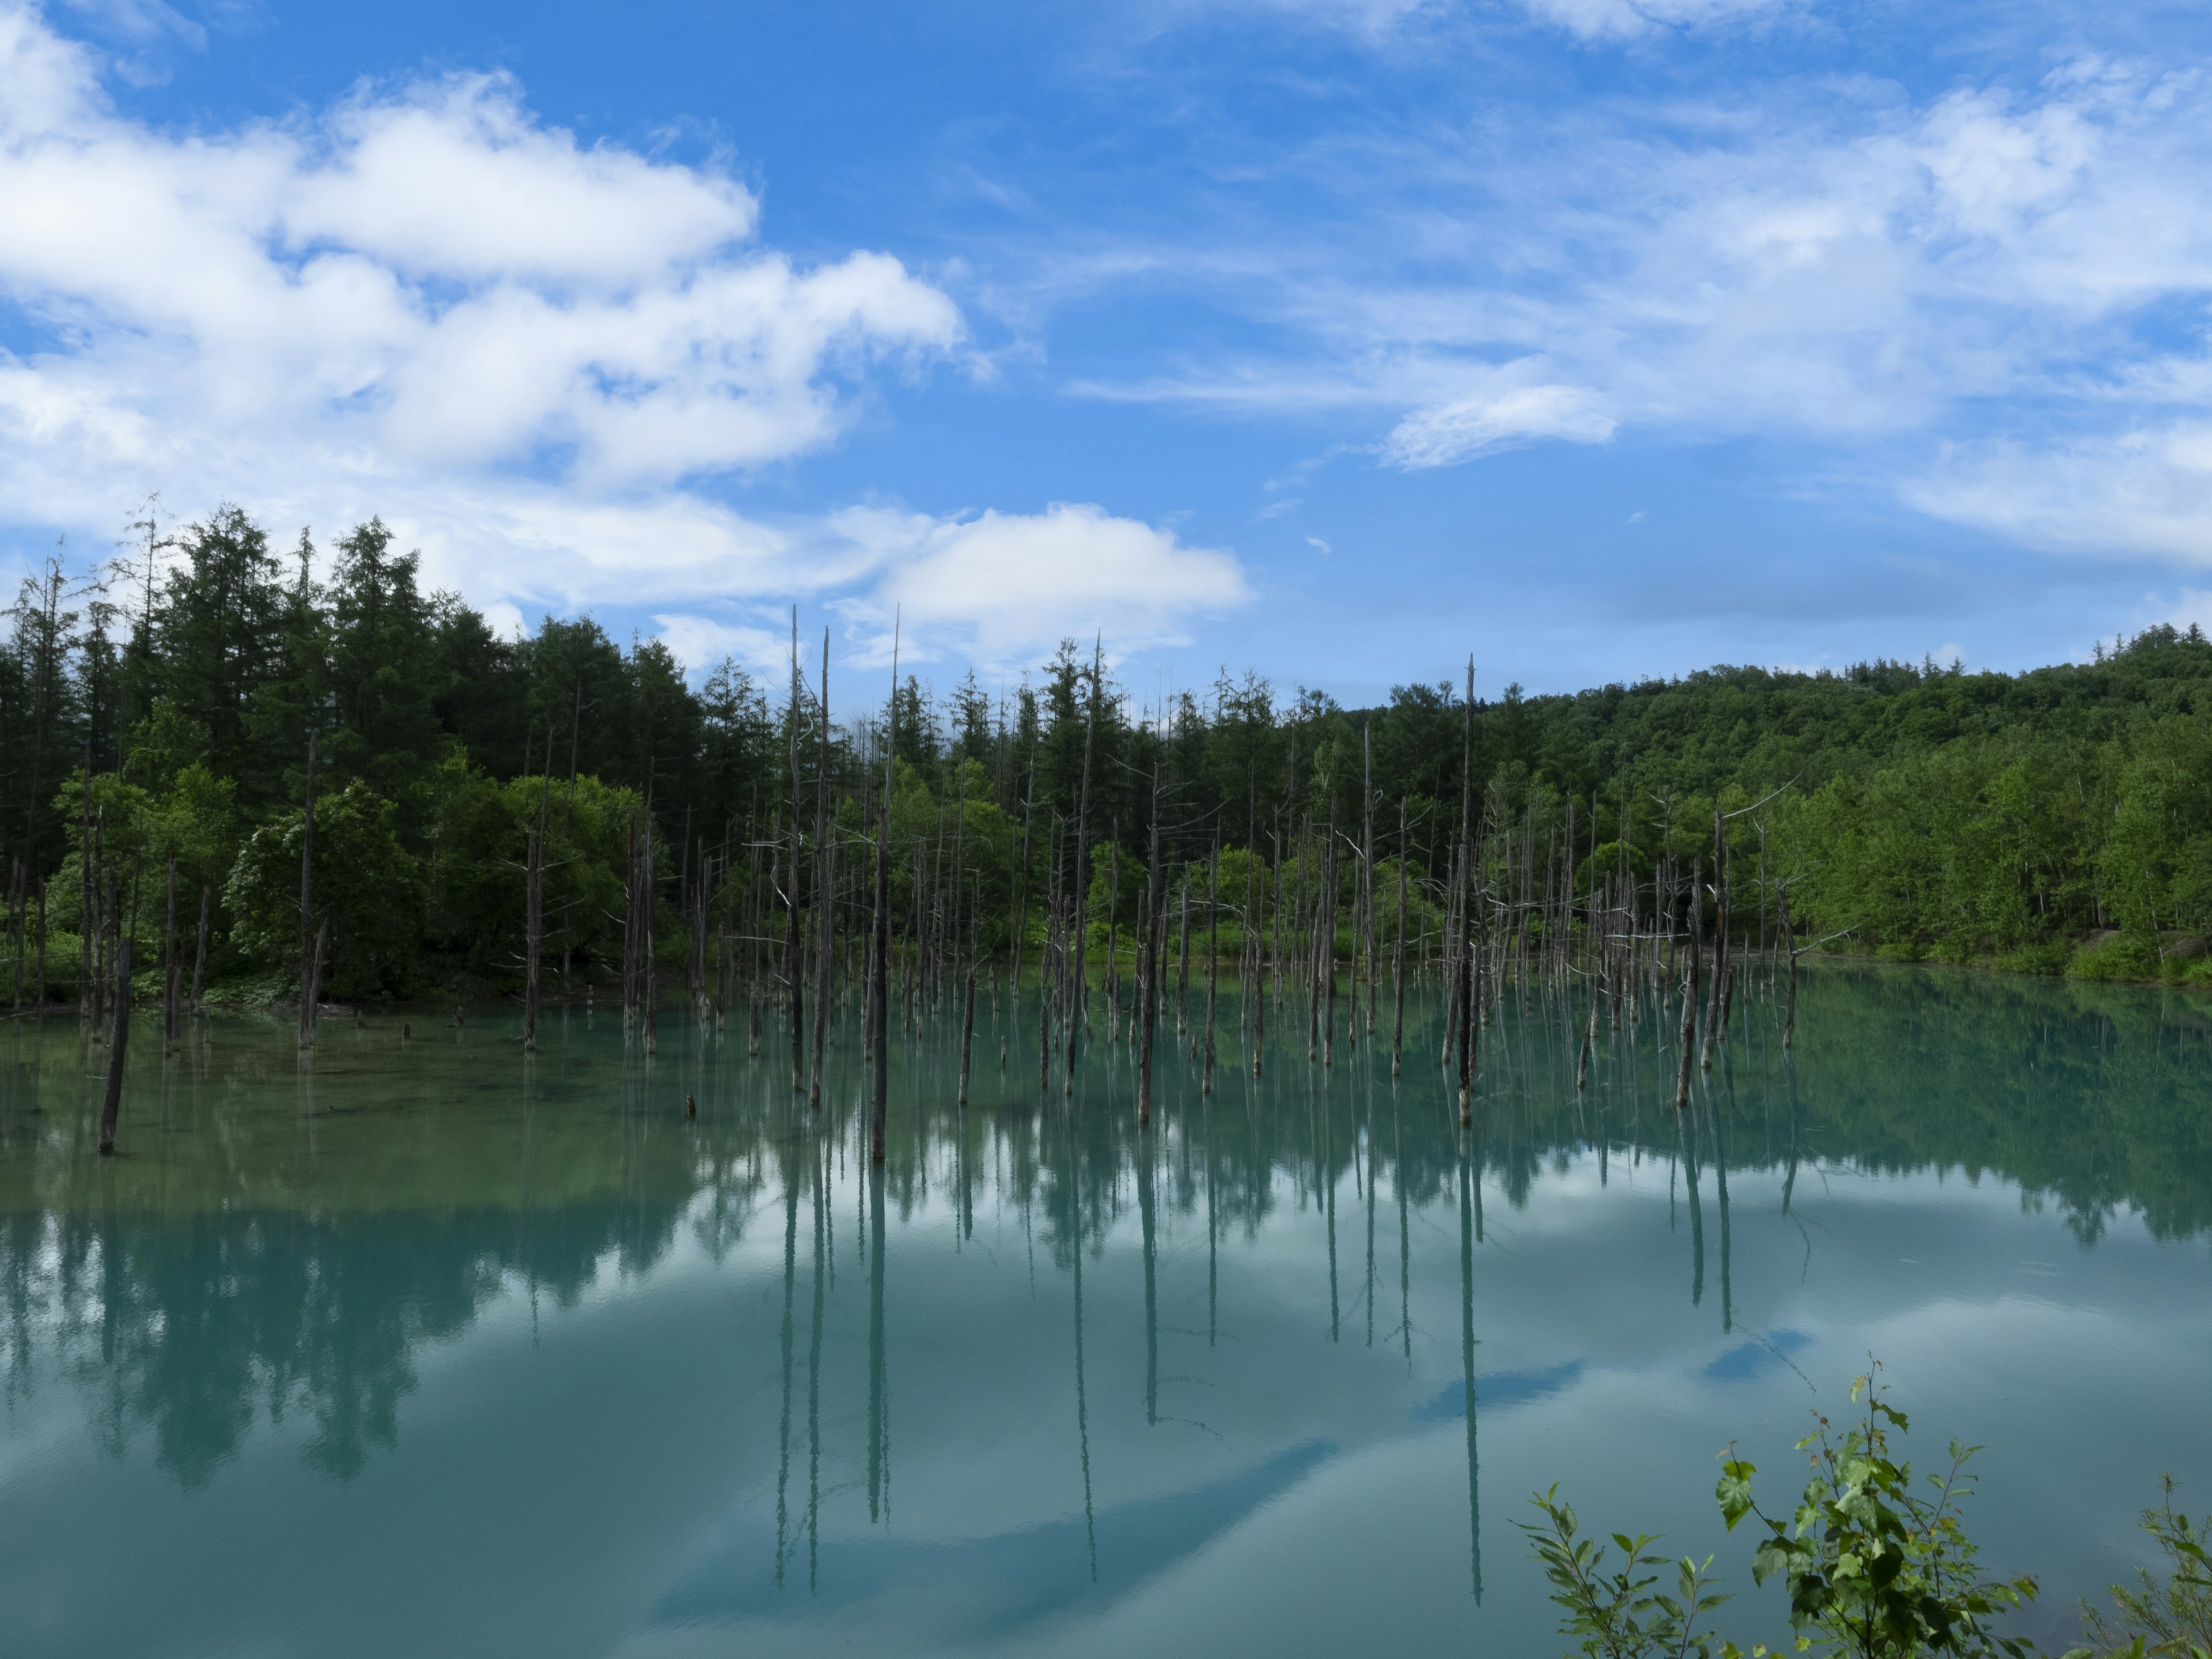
(1817, 260)
(1000, 589)
(1614, 19)
(700, 642)
(2148, 491)
(1489, 421)
(526, 351)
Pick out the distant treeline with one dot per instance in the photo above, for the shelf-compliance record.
(2056, 819)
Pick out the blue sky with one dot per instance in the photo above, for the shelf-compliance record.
(1334, 338)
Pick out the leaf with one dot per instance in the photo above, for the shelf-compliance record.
(1733, 1491)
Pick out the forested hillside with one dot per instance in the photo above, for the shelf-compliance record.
(2052, 820)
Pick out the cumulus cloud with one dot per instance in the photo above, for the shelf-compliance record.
(1003, 588)
(530, 352)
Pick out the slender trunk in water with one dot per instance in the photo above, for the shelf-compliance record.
(308, 988)
(824, 875)
(1213, 960)
(1790, 943)
(879, 1089)
(1078, 988)
(1689, 1034)
(199, 960)
(1398, 952)
(1717, 1010)
(111, 1106)
(793, 972)
(172, 970)
(1469, 951)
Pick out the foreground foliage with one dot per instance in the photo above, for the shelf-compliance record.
(1876, 1566)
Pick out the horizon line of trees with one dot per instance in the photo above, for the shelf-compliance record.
(159, 710)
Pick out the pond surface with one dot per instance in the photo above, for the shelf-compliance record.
(412, 1350)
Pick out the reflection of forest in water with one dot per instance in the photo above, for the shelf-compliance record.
(277, 1243)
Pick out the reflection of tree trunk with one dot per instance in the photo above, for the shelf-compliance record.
(1151, 1278)
(814, 1376)
(1689, 1141)
(1405, 1233)
(1212, 1225)
(1789, 1179)
(1720, 1183)
(1082, 1398)
(783, 1427)
(1370, 1198)
(1329, 1204)
(1467, 1191)
(880, 1473)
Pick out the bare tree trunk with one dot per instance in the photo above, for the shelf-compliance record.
(1696, 953)
(648, 966)
(793, 971)
(1398, 952)
(629, 971)
(1589, 1035)
(1367, 865)
(879, 1089)
(824, 896)
(1471, 965)
(1213, 959)
(172, 971)
(308, 987)
(315, 970)
(1717, 1010)
(967, 1030)
(1183, 961)
(1789, 943)
(1148, 963)
(199, 957)
(1078, 988)
(112, 1106)
(534, 932)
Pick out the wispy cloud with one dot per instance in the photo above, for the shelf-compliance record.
(1821, 257)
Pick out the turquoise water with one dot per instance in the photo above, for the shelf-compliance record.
(411, 1349)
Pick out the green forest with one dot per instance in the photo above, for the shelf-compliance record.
(158, 718)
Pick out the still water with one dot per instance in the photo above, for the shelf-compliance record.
(411, 1349)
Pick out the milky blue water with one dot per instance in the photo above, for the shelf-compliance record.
(411, 1348)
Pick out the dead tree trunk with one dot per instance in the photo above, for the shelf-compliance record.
(1213, 960)
(1398, 952)
(1078, 1013)
(879, 1084)
(308, 988)
(199, 957)
(172, 971)
(1789, 943)
(824, 896)
(794, 974)
(1695, 954)
(111, 1105)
